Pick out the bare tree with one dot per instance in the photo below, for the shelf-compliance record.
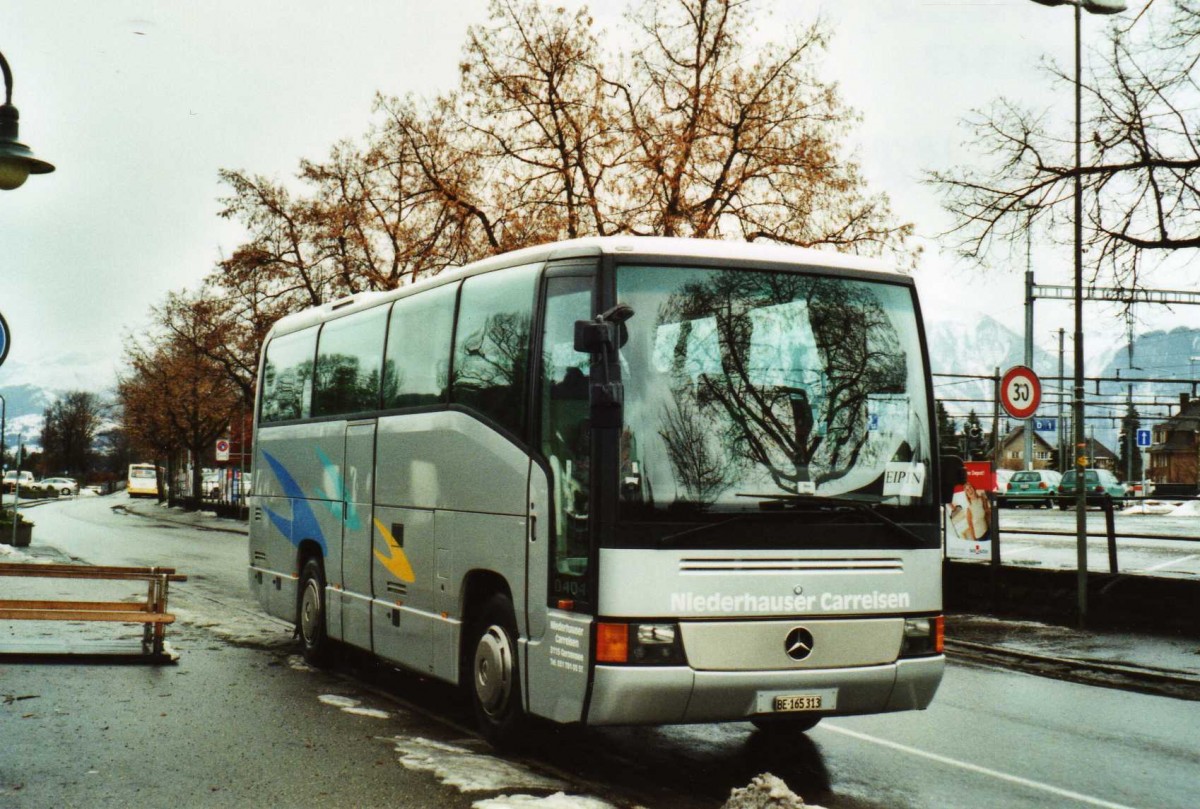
(546, 137)
(1141, 162)
(69, 432)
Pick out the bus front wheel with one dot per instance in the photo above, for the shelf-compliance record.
(792, 724)
(495, 685)
(315, 642)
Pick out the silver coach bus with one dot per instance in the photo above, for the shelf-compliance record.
(613, 481)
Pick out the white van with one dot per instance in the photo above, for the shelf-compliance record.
(12, 478)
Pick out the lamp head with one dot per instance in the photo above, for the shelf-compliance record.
(1104, 6)
(16, 159)
(1090, 6)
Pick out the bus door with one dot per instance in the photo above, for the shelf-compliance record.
(559, 547)
(357, 513)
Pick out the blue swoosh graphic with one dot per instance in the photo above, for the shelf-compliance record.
(336, 500)
(303, 524)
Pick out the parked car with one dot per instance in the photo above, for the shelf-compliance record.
(67, 487)
(1035, 487)
(12, 478)
(1097, 483)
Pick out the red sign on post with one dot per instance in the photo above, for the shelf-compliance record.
(1020, 392)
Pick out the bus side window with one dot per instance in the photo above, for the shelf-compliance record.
(287, 376)
(566, 433)
(349, 357)
(416, 371)
(491, 345)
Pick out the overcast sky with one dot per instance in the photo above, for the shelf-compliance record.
(139, 103)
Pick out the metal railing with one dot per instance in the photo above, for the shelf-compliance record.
(1107, 505)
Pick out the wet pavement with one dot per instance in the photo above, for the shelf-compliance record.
(84, 742)
(1162, 664)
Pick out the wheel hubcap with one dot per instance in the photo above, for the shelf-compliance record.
(493, 670)
(309, 611)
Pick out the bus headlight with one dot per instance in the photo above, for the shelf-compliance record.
(923, 636)
(639, 644)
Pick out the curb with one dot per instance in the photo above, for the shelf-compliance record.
(1142, 679)
(174, 521)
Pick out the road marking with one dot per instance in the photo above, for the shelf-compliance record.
(1179, 561)
(1012, 779)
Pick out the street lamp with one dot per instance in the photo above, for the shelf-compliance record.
(1092, 7)
(16, 159)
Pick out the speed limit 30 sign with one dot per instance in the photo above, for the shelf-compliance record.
(1020, 392)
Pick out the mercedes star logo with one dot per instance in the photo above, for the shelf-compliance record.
(799, 643)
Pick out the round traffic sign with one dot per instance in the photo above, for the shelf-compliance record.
(222, 445)
(1020, 392)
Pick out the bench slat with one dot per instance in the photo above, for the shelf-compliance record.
(86, 615)
(86, 572)
(111, 606)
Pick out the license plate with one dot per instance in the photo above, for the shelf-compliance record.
(798, 702)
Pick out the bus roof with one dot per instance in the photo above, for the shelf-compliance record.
(647, 247)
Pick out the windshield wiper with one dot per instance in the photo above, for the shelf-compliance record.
(868, 507)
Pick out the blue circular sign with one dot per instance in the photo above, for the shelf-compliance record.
(5, 341)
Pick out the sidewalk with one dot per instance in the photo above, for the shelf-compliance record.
(1166, 665)
(204, 520)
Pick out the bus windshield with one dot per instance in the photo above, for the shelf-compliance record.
(749, 388)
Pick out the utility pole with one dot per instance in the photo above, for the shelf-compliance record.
(1062, 427)
(996, 422)
(1130, 436)
(1028, 452)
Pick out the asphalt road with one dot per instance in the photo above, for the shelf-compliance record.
(239, 722)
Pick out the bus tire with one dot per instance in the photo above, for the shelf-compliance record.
(316, 646)
(795, 724)
(494, 676)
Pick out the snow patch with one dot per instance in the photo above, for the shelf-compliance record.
(766, 791)
(236, 625)
(1189, 509)
(559, 800)
(296, 663)
(1152, 507)
(352, 706)
(469, 770)
(12, 555)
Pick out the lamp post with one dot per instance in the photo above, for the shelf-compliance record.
(16, 159)
(1077, 409)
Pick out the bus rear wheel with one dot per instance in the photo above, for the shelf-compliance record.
(310, 618)
(495, 684)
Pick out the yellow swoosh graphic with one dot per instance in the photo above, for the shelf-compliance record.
(396, 562)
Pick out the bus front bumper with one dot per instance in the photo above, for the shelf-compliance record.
(629, 695)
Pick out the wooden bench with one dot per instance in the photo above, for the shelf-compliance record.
(151, 613)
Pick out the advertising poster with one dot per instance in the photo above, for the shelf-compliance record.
(969, 515)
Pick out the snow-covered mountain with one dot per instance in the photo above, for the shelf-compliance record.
(24, 406)
(981, 345)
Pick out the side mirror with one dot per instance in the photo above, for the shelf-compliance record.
(952, 473)
(593, 336)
